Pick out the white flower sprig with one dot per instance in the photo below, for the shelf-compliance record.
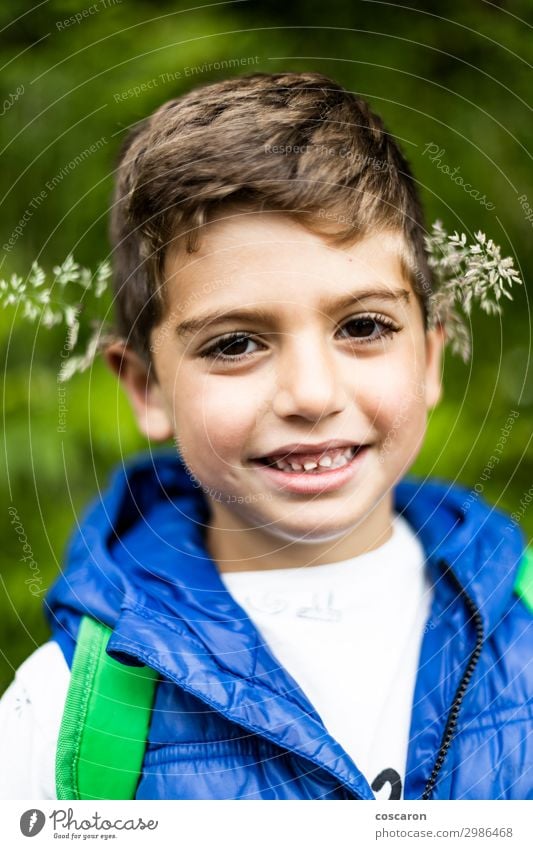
(53, 304)
(465, 273)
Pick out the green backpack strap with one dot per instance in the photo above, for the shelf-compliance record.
(105, 722)
(524, 581)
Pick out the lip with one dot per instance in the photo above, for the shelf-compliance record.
(306, 483)
(308, 447)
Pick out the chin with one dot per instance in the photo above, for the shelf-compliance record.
(308, 535)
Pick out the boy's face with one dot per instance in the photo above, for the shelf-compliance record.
(316, 365)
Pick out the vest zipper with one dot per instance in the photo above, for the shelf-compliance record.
(451, 722)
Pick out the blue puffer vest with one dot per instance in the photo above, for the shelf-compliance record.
(228, 722)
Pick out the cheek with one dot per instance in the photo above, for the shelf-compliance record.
(400, 419)
(395, 400)
(213, 423)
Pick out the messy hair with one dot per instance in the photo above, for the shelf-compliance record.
(297, 143)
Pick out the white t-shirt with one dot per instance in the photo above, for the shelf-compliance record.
(30, 717)
(349, 633)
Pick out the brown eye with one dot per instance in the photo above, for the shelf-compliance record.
(363, 328)
(234, 347)
(229, 348)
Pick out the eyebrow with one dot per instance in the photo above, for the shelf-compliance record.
(193, 325)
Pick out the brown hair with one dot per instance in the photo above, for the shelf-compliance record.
(298, 143)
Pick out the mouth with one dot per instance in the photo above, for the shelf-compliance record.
(313, 464)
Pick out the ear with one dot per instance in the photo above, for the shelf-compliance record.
(435, 341)
(141, 386)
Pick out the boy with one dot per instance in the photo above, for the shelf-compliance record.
(296, 618)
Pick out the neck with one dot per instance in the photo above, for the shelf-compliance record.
(236, 547)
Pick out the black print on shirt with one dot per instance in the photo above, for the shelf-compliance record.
(394, 780)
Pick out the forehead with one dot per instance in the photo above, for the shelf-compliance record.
(268, 257)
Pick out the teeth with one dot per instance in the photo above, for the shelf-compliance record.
(327, 461)
(342, 461)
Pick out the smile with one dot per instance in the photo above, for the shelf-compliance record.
(322, 473)
(335, 458)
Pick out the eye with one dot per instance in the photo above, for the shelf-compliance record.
(363, 327)
(229, 348)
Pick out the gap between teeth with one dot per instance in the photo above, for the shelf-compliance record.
(326, 462)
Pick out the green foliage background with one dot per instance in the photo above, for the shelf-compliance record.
(453, 74)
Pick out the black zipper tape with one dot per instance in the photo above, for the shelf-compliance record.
(451, 722)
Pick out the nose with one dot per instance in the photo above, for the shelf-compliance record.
(308, 382)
